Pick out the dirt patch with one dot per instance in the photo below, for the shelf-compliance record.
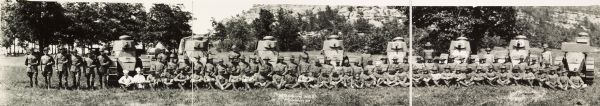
(524, 96)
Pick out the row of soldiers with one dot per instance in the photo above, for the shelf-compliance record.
(286, 73)
(67, 65)
(255, 72)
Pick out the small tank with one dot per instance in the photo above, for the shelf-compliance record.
(397, 48)
(460, 48)
(577, 57)
(125, 56)
(267, 49)
(517, 48)
(333, 48)
(194, 46)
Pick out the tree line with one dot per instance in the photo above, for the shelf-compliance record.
(52, 23)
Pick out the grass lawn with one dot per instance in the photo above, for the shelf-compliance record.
(13, 92)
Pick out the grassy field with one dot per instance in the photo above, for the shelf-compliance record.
(13, 92)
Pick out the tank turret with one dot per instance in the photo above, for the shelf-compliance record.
(193, 47)
(267, 49)
(460, 48)
(517, 48)
(333, 48)
(397, 48)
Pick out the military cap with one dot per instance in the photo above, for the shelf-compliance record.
(545, 45)
(462, 38)
(520, 37)
(266, 58)
(502, 67)
(488, 49)
(287, 58)
(124, 37)
(125, 71)
(428, 44)
(280, 58)
(398, 38)
(333, 37)
(583, 34)
(304, 56)
(268, 38)
(197, 37)
(185, 57)
(172, 56)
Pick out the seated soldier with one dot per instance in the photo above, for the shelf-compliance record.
(153, 79)
(167, 79)
(347, 79)
(504, 78)
(368, 76)
(552, 82)
(335, 80)
(491, 76)
(291, 81)
(356, 82)
(126, 81)
(262, 82)
(139, 80)
(436, 76)
(221, 82)
(390, 79)
(447, 76)
(402, 78)
(417, 78)
(197, 79)
(426, 77)
(321, 82)
(564, 81)
(181, 79)
(478, 76)
(529, 77)
(278, 80)
(577, 82)
(467, 80)
(541, 77)
(304, 79)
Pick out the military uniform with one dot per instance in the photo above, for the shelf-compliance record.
(47, 63)
(76, 64)
(62, 68)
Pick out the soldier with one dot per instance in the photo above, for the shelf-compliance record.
(181, 79)
(491, 76)
(365, 56)
(185, 65)
(209, 73)
(508, 64)
(488, 56)
(390, 78)
(250, 75)
(564, 81)
(172, 65)
(265, 69)
(126, 80)
(534, 66)
(428, 51)
(529, 77)
(381, 71)
(402, 75)
(105, 63)
(90, 64)
(369, 77)
(76, 64)
(577, 82)
(47, 63)
(546, 55)
(197, 77)
(315, 74)
(279, 67)
(278, 79)
(234, 54)
(222, 81)
(32, 62)
(304, 66)
(435, 72)
(62, 67)
(553, 81)
(519, 71)
(505, 76)
(447, 73)
(235, 70)
(292, 67)
(139, 80)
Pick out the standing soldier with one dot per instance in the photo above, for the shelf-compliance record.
(488, 56)
(546, 55)
(292, 67)
(90, 64)
(32, 62)
(62, 67)
(365, 56)
(209, 73)
(105, 63)
(428, 51)
(47, 62)
(76, 63)
(304, 66)
(235, 54)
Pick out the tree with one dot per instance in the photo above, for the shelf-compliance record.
(34, 21)
(262, 25)
(286, 31)
(168, 24)
(446, 23)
